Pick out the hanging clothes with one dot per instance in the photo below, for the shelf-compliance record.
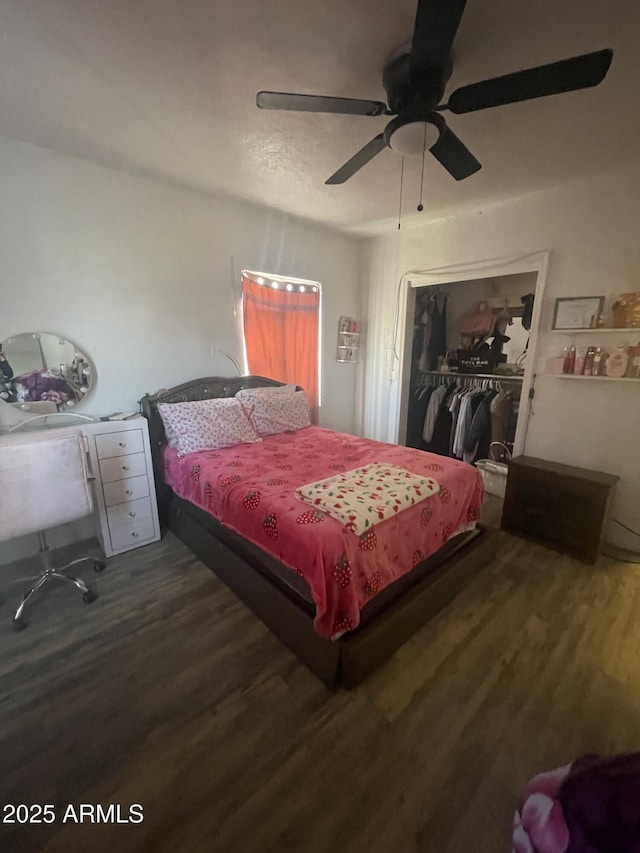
(437, 398)
(423, 361)
(504, 415)
(438, 337)
(454, 410)
(465, 418)
(441, 436)
(418, 403)
(478, 439)
(422, 333)
(461, 417)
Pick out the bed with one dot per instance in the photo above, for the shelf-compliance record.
(342, 624)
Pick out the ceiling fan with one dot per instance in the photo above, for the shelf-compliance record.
(415, 81)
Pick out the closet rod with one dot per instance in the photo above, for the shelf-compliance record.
(502, 377)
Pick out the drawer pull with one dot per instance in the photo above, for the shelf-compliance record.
(122, 444)
(125, 467)
(135, 535)
(132, 515)
(128, 491)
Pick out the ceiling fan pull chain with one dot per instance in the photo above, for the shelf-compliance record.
(424, 154)
(401, 182)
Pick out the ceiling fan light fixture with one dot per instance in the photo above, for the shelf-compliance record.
(415, 78)
(410, 138)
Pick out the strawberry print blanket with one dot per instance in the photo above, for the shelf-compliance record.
(368, 495)
(251, 489)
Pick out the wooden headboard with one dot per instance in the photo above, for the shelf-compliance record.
(198, 389)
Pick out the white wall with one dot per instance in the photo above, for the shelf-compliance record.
(138, 274)
(591, 227)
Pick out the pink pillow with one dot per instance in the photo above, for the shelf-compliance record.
(273, 413)
(206, 424)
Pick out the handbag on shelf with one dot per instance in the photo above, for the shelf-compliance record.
(478, 359)
(479, 323)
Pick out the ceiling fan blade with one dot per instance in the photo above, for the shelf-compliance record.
(579, 72)
(319, 104)
(377, 144)
(454, 155)
(437, 23)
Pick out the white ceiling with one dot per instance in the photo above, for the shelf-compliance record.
(167, 88)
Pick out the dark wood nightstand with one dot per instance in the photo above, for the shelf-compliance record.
(561, 506)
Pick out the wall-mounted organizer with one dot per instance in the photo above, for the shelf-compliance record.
(348, 340)
(601, 338)
(601, 353)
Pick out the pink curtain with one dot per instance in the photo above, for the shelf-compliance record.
(281, 331)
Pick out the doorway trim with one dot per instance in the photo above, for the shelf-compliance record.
(537, 262)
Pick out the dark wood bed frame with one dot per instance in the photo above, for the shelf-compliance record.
(401, 609)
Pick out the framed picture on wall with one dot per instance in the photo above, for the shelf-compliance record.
(579, 312)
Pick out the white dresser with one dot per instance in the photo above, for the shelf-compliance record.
(124, 487)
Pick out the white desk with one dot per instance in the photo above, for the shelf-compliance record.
(124, 491)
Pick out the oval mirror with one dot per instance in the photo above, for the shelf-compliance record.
(39, 367)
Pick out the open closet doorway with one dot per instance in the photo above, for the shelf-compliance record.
(468, 363)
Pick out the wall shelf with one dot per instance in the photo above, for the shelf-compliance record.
(580, 376)
(610, 330)
(348, 341)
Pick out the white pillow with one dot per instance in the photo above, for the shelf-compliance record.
(267, 390)
(206, 424)
(273, 413)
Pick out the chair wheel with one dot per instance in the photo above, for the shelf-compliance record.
(20, 624)
(88, 597)
(99, 566)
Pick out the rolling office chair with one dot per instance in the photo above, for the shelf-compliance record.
(44, 483)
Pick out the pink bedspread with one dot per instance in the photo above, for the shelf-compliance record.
(250, 489)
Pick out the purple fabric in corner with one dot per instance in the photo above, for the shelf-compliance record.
(600, 801)
(539, 825)
(590, 806)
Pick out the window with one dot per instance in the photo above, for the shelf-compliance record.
(281, 320)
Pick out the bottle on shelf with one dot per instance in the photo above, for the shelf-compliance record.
(617, 362)
(599, 360)
(569, 360)
(588, 361)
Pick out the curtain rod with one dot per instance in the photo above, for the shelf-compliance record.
(282, 278)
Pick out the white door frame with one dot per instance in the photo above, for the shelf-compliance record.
(537, 262)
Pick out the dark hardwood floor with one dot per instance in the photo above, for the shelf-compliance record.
(167, 692)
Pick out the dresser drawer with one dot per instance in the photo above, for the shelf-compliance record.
(110, 444)
(121, 467)
(130, 489)
(130, 512)
(132, 535)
